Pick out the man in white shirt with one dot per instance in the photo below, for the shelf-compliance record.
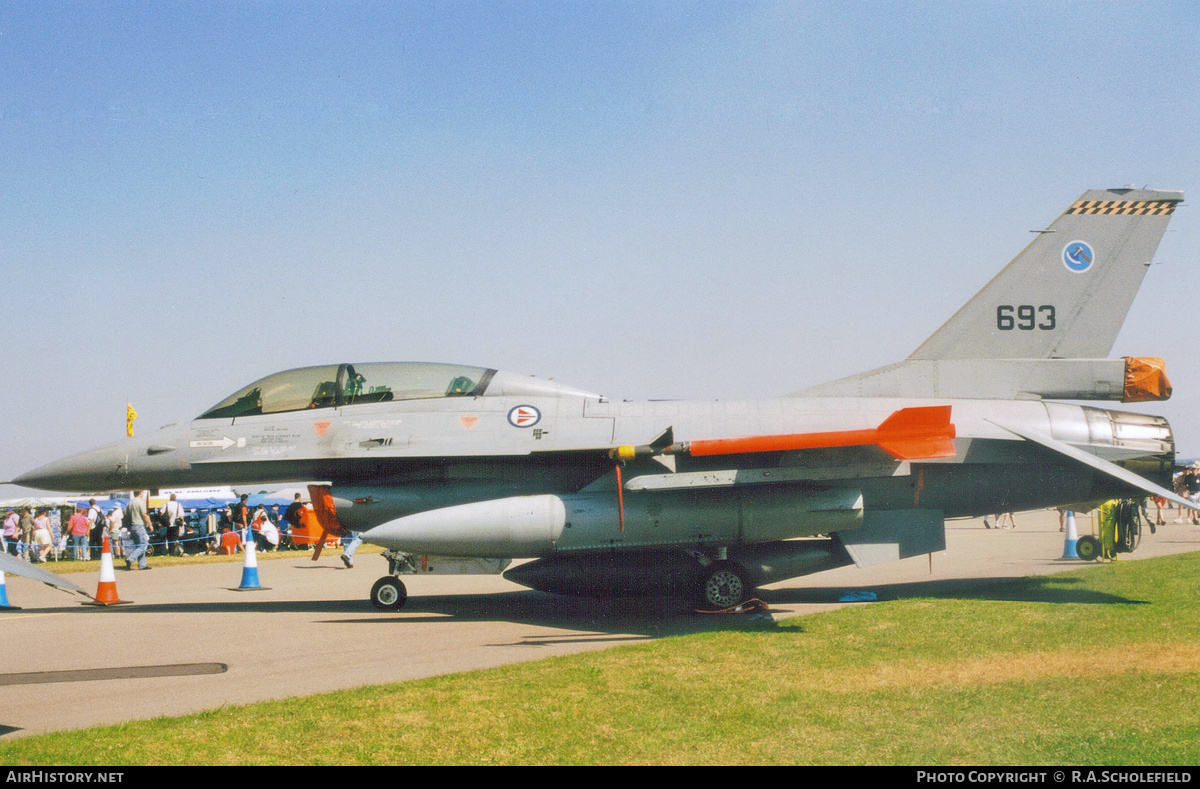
(174, 512)
(115, 529)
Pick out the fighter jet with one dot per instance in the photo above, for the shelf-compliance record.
(711, 498)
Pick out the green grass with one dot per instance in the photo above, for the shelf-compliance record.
(1099, 667)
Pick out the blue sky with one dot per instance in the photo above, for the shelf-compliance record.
(709, 200)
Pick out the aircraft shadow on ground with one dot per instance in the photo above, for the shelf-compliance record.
(624, 617)
(649, 617)
(1017, 589)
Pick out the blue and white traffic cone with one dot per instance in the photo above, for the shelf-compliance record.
(1072, 539)
(4, 595)
(250, 566)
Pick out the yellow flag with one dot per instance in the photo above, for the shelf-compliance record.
(130, 415)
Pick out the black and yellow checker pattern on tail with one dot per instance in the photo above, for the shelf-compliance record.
(1125, 207)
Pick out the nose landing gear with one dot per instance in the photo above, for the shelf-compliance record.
(389, 594)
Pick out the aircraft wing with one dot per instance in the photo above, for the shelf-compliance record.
(13, 565)
(1100, 464)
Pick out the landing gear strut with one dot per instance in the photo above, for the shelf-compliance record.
(388, 593)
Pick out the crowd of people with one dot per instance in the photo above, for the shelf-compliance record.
(136, 530)
(1187, 485)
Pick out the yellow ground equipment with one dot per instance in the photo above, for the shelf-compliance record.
(1116, 528)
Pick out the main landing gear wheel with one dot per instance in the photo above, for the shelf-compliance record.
(1088, 548)
(723, 586)
(389, 594)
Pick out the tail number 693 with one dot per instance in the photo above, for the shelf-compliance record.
(1025, 317)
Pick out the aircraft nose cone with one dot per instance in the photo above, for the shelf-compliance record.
(95, 470)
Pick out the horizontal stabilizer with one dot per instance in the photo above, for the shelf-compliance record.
(1100, 464)
(14, 566)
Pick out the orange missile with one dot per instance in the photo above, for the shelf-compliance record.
(918, 433)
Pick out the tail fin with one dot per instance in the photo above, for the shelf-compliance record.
(1067, 294)
(1044, 325)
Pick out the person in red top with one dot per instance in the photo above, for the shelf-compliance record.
(231, 542)
(240, 513)
(78, 526)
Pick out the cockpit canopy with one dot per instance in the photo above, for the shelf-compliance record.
(336, 385)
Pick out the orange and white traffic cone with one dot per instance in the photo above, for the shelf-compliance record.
(106, 592)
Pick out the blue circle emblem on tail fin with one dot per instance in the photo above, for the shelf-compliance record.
(1078, 256)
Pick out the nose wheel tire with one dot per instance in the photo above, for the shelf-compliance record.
(723, 586)
(389, 594)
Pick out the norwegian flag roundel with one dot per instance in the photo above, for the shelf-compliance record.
(524, 416)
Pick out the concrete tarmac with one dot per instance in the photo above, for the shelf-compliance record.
(313, 629)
